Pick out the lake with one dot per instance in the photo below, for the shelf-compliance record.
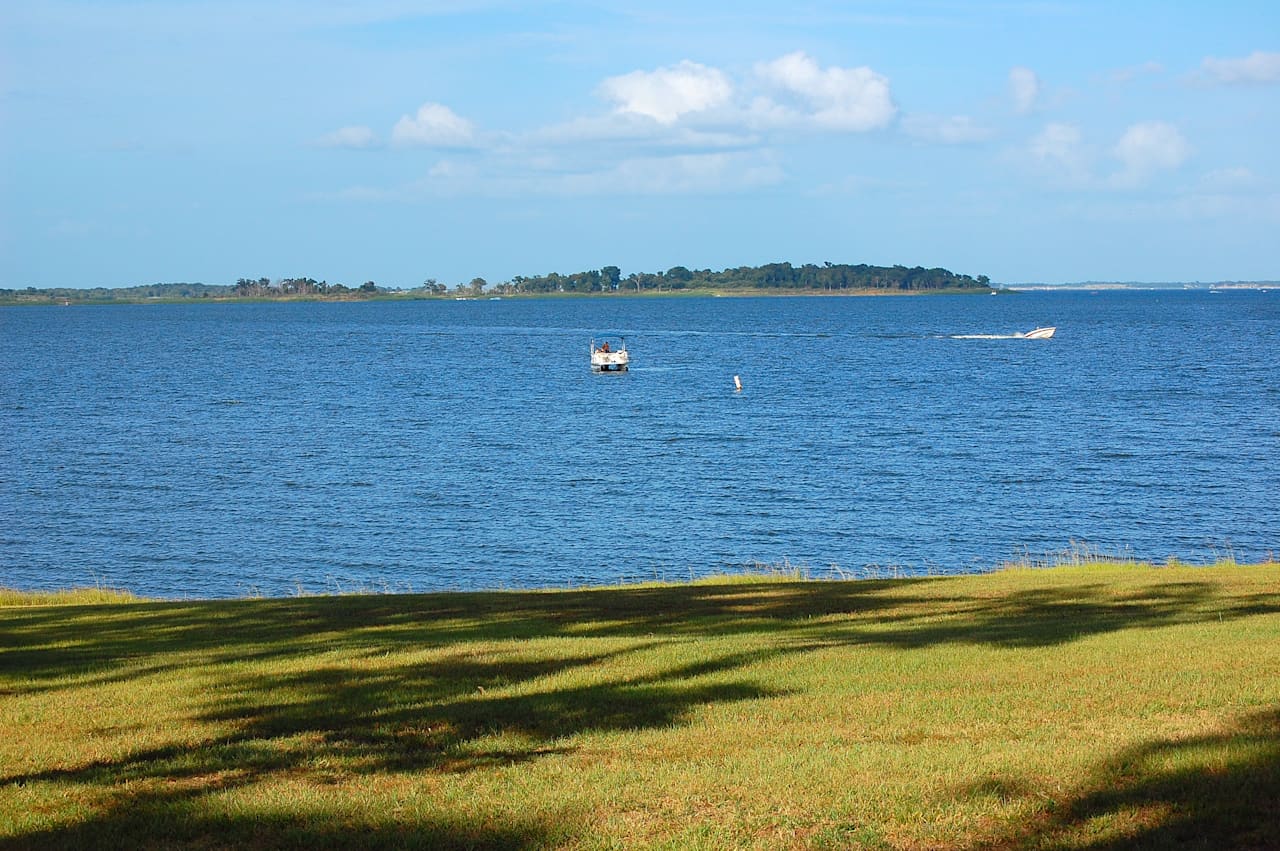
(213, 450)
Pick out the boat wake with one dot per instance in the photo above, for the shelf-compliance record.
(1042, 333)
(985, 337)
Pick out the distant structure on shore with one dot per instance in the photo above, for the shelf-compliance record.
(1137, 285)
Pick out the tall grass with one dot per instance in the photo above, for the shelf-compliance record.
(65, 597)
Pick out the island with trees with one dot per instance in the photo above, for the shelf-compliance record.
(771, 278)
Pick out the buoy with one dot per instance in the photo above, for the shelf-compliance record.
(737, 383)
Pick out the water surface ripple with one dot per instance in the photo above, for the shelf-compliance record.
(214, 450)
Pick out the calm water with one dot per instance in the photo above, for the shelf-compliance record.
(220, 450)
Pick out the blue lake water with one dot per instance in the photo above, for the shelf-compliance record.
(214, 450)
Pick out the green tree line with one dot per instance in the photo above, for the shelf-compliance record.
(242, 288)
(772, 277)
(828, 277)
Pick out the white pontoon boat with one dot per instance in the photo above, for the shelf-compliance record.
(606, 358)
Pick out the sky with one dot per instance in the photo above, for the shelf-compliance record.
(148, 141)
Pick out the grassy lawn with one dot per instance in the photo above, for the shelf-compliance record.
(1083, 707)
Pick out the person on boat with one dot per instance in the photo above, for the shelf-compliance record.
(604, 347)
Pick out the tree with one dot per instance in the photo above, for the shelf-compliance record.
(610, 276)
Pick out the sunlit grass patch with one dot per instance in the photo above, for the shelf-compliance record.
(66, 597)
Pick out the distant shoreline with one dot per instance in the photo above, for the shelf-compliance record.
(1145, 287)
(44, 300)
(410, 295)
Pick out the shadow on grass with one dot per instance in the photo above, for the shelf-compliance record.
(178, 821)
(1211, 791)
(106, 643)
(339, 691)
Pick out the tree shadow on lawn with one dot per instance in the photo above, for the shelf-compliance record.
(111, 643)
(342, 723)
(338, 710)
(184, 820)
(1212, 791)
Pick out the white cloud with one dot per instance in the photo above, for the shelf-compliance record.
(946, 130)
(1142, 151)
(1024, 88)
(632, 127)
(859, 184)
(450, 170)
(1257, 67)
(667, 94)
(349, 137)
(1230, 180)
(1059, 156)
(1060, 145)
(434, 125)
(682, 174)
(853, 99)
(675, 175)
(1150, 146)
(1133, 72)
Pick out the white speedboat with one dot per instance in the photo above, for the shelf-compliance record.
(1039, 333)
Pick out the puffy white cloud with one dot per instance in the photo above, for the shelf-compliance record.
(946, 130)
(1151, 146)
(349, 137)
(1257, 67)
(434, 125)
(1024, 88)
(854, 99)
(669, 93)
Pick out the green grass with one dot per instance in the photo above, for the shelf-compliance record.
(1091, 706)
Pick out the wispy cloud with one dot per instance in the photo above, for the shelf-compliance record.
(631, 127)
(1146, 148)
(1062, 154)
(1132, 72)
(726, 172)
(1257, 67)
(945, 130)
(723, 172)
(1059, 150)
(1024, 88)
(1236, 180)
(354, 137)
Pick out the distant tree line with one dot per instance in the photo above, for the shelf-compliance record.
(265, 288)
(106, 294)
(242, 288)
(772, 277)
(829, 277)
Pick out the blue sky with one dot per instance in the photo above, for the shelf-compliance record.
(396, 140)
